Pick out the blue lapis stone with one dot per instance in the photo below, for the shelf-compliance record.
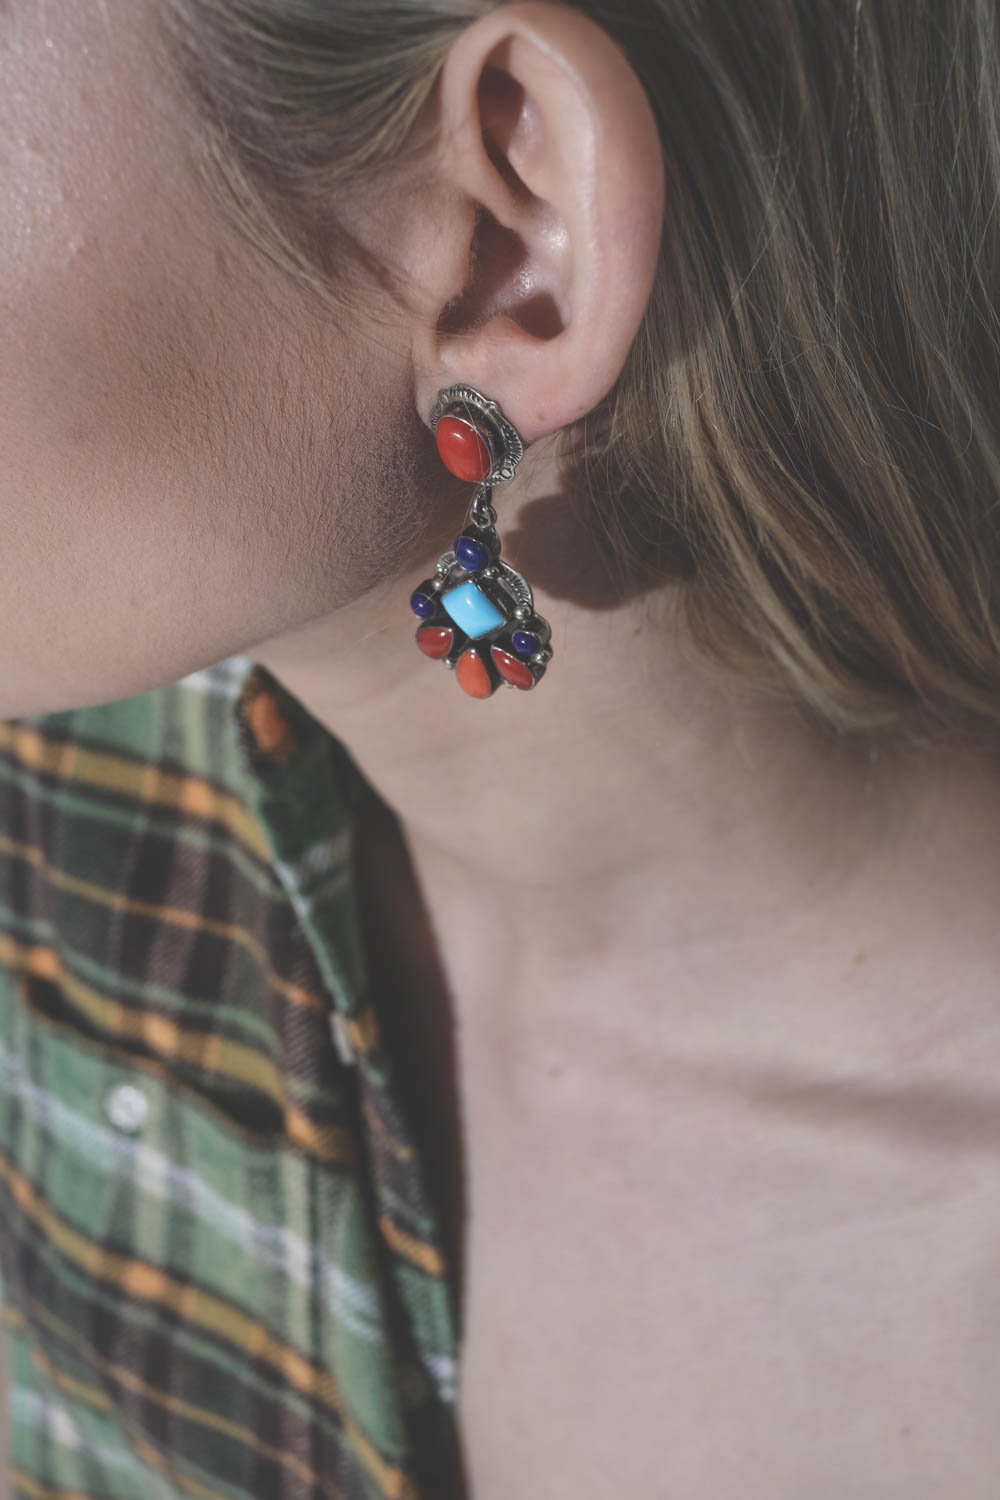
(524, 643)
(471, 554)
(421, 605)
(471, 610)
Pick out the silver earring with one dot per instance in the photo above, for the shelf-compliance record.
(476, 614)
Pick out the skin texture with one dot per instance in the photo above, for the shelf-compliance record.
(679, 936)
(192, 446)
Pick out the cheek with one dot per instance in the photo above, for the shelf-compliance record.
(99, 366)
(99, 248)
(111, 368)
(179, 479)
(182, 470)
(108, 424)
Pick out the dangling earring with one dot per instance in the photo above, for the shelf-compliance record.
(477, 615)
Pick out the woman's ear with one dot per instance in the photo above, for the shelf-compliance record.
(549, 165)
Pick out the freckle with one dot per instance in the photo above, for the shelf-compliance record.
(905, 1431)
(555, 1071)
(859, 958)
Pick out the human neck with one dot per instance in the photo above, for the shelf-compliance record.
(631, 840)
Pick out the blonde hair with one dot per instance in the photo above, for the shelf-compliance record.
(806, 433)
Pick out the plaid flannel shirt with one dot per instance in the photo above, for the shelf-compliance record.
(222, 1277)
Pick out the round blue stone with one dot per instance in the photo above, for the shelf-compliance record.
(421, 605)
(525, 644)
(471, 554)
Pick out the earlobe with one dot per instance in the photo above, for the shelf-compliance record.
(547, 136)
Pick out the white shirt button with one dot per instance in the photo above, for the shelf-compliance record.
(342, 1042)
(126, 1107)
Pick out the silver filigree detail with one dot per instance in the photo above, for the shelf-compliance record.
(519, 588)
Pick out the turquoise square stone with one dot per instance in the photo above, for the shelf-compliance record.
(471, 610)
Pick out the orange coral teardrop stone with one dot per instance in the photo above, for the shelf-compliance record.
(472, 675)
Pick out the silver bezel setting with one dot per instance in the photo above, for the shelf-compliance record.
(508, 449)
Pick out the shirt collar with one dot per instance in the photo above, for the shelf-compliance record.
(304, 789)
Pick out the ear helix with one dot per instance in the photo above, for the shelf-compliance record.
(477, 614)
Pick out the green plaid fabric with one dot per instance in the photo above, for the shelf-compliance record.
(222, 1277)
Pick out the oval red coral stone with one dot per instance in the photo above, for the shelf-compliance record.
(434, 640)
(462, 449)
(472, 675)
(513, 670)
